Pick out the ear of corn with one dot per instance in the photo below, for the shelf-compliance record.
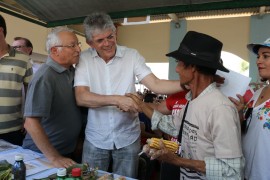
(170, 145)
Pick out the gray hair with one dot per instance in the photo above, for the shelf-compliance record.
(95, 23)
(53, 38)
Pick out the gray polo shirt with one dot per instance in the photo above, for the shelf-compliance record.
(51, 97)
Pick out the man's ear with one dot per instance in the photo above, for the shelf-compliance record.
(1, 30)
(54, 50)
(30, 50)
(89, 43)
(193, 67)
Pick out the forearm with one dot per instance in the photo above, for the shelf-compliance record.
(232, 168)
(40, 138)
(166, 87)
(89, 99)
(164, 123)
(153, 105)
(161, 86)
(212, 167)
(146, 109)
(195, 165)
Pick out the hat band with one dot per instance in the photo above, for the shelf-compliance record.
(201, 55)
(266, 44)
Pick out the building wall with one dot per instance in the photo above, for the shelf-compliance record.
(151, 40)
(35, 33)
(232, 32)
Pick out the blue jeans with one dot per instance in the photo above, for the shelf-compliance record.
(125, 160)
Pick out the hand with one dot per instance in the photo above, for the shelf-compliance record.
(126, 104)
(239, 104)
(219, 80)
(61, 161)
(163, 154)
(136, 99)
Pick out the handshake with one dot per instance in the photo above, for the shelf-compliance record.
(129, 103)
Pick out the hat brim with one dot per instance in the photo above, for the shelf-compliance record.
(255, 47)
(196, 61)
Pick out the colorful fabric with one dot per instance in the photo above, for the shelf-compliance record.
(255, 141)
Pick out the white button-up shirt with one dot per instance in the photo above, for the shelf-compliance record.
(108, 126)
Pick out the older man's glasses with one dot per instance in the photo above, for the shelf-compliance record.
(246, 123)
(71, 45)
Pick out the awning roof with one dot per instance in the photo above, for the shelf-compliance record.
(50, 13)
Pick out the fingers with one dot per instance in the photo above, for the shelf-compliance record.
(241, 98)
(126, 104)
(146, 149)
(156, 154)
(239, 104)
(134, 97)
(63, 162)
(218, 79)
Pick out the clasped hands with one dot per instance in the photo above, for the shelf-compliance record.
(130, 103)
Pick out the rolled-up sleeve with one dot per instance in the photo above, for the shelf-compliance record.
(165, 123)
(232, 168)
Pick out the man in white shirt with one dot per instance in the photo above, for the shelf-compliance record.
(105, 73)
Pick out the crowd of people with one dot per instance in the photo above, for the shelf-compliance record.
(219, 137)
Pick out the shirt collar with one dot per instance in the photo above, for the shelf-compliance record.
(209, 88)
(57, 67)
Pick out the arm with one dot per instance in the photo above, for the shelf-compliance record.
(212, 167)
(157, 133)
(86, 98)
(163, 154)
(36, 131)
(25, 89)
(161, 86)
(159, 121)
(162, 108)
(239, 104)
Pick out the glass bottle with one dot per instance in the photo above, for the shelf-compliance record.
(19, 168)
(61, 173)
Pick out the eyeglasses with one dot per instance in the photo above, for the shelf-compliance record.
(71, 45)
(246, 123)
(18, 47)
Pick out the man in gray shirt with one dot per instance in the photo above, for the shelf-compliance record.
(53, 121)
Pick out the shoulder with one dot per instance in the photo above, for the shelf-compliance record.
(18, 56)
(45, 73)
(126, 50)
(216, 99)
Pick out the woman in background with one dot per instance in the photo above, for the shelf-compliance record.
(256, 119)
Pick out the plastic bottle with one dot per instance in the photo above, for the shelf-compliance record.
(61, 173)
(76, 173)
(18, 168)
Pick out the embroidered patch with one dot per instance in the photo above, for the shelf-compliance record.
(264, 113)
